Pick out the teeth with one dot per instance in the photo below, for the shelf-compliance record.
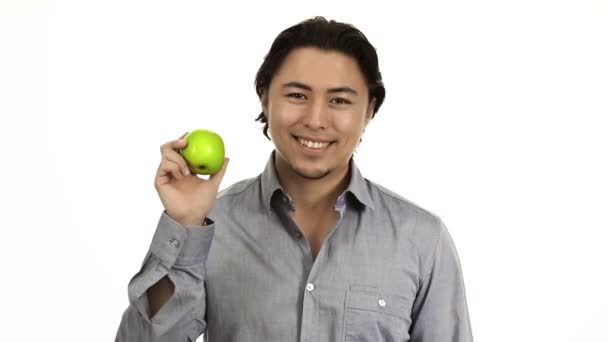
(312, 144)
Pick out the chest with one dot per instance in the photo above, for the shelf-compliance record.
(262, 280)
(315, 227)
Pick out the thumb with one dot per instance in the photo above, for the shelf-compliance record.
(217, 177)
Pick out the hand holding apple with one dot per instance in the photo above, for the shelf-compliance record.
(188, 198)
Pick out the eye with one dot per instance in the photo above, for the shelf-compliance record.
(297, 96)
(340, 100)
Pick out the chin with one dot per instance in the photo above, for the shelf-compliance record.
(308, 169)
(311, 174)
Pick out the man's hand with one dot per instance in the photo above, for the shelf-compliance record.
(186, 197)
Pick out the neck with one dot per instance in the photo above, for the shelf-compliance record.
(313, 194)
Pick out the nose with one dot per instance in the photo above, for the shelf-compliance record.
(317, 117)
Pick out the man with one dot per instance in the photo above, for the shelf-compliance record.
(309, 250)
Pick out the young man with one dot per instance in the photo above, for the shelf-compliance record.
(309, 250)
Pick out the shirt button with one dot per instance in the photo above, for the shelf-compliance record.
(298, 235)
(174, 243)
(310, 287)
(382, 303)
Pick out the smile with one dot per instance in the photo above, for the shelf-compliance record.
(313, 144)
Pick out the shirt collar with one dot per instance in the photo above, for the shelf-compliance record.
(270, 182)
(357, 185)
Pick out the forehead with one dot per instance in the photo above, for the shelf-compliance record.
(321, 69)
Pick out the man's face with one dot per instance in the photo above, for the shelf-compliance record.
(317, 108)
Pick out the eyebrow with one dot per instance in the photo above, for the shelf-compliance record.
(331, 90)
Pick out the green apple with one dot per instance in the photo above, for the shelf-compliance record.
(204, 153)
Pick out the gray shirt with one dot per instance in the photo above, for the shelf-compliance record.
(387, 271)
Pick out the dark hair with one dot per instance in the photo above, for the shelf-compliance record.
(327, 35)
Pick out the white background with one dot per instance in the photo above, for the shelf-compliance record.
(495, 119)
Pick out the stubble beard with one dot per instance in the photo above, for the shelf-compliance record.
(309, 176)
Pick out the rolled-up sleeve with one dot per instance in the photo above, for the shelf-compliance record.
(179, 252)
(440, 310)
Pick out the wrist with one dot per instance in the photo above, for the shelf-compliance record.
(191, 221)
(188, 220)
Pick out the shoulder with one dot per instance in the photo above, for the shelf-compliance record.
(412, 222)
(391, 203)
(238, 202)
(238, 196)
(239, 188)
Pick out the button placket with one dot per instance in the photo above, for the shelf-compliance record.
(310, 314)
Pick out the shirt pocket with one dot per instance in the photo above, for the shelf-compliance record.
(371, 315)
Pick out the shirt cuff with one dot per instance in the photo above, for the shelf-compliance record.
(177, 244)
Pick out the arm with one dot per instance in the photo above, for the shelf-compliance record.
(167, 296)
(440, 310)
(159, 293)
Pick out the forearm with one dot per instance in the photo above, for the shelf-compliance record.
(159, 294)
(173, 268)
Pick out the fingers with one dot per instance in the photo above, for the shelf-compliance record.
(168, 169)
(169, 151)
(174, 145)
(172, 164)
(217, 177)
(176, 158)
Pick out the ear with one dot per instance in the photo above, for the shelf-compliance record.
(370, 111)
(264, 102)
